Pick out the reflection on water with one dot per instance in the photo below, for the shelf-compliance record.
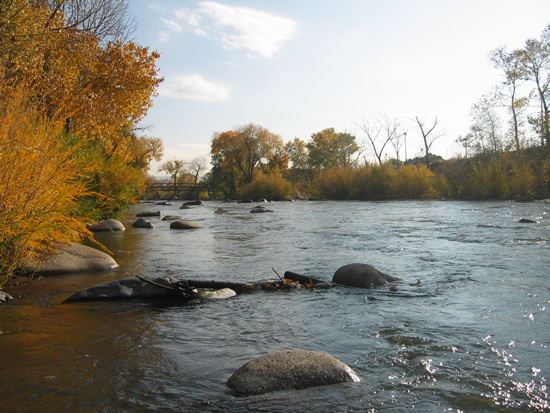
(467, 328)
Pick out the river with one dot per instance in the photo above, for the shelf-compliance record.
(468, 328)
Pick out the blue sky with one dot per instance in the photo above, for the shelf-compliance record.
(297, 67)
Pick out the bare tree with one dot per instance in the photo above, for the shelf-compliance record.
(196, 167)
(535, 59)
(514, 72)
(372, 132)
(106, 19)
(429, 136)
(395, 134)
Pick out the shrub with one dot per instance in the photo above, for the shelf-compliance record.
(41, 179)
(273, 187)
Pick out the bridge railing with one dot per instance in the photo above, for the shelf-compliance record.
(179, 187)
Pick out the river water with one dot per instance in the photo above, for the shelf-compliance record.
(468, 328)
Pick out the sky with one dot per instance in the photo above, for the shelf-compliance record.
(297, 67)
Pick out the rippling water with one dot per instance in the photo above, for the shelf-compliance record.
(467, 330)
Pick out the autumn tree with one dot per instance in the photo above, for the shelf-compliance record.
(173, 168)
(330, 149)
(237, 153)
(301, 172)
(93, 91)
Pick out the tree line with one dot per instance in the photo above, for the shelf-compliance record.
(506, 150)
(72, 91)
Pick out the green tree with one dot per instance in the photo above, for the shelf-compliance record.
(329, 149)
(173, 168)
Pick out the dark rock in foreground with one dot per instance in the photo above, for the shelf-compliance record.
(361, 275)
(289, 369)
(125, 288)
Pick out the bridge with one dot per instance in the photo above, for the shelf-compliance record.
(178, 188)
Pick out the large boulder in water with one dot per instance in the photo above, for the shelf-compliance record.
(71, 258)
(143, 223)
(361, 275)
(289, 369)
(106, 225)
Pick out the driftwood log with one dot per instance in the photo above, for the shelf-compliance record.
(189, 288)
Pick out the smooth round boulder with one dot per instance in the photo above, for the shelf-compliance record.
(183, 224)
(361, 276)
(289, 369)
(143, 223)
(106, 225)
(71, 258)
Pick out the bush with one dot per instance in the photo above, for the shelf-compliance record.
(41, 179)
(334, 183)
(273, 187)
(413, 182)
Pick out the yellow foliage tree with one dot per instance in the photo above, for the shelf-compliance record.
(42, 177)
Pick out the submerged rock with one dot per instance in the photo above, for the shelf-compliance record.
(361, 275)
(259, 209)
(527, 221)
(289, 369)
(106, 225)
(182, 224)
(171, 217)
(72, 258)
(148, 214)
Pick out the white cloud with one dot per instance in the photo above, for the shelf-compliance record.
(194, 87)
(235, 28)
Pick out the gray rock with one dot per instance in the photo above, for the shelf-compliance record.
(171, 217)
(527, 221)
(122, 289)
(148, 214)
(5, 297)
(106, 225)
(196, 202)
(143, 223)
(72, 258)
(289, 369)
(259, 209)
(220, 211)
(361, 275)
(182, 224)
